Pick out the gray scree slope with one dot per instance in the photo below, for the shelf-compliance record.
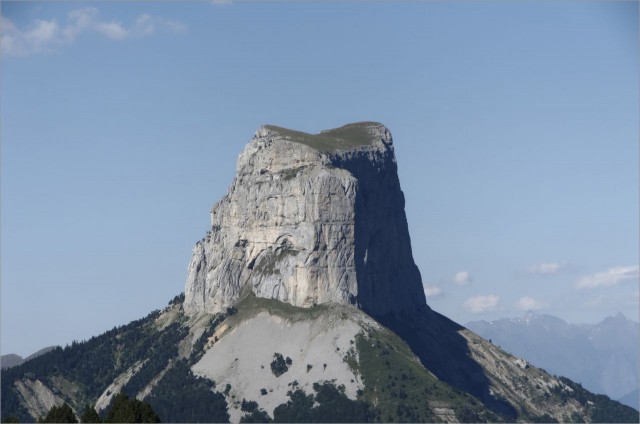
(310, 219)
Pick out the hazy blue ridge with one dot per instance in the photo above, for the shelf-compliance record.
(603, 357)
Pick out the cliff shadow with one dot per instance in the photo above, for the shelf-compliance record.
(434, 338)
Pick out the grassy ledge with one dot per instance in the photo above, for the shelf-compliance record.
(347, 137)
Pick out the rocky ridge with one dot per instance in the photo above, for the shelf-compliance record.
(603, 357)
(310, 219)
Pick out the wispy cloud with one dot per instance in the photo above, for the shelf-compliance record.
(481, 304)
(528, 303)
(36, 38)
(615, 301)
(43, 36)
(432, 291)
(609, 278)
(461, 278)
(548, 268)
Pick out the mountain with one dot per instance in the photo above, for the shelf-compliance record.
(305, 222)
(208, 368)
(603, 357)
(631, 399)
(11, 359)
(303, 304)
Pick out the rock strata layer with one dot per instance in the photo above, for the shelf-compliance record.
(310, 219)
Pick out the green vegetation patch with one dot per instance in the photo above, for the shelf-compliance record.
(183, 397)
(86, 368)
(130, 410)
(402, 390)
(600, 407)
(329, 404)
(199, 347)
(59, 414)
(253, 413)
(89, 415)
(279, 365)
(347, 137)
(164, 348)
(250, 305)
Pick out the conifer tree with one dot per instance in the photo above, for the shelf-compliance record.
(89, 415)
(60, 414)
(126, 410)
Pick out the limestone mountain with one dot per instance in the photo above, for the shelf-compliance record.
(303, 303)
(310, 219)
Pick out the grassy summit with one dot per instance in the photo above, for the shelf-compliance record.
(346, 137)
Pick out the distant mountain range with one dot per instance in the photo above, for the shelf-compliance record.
(13, 360)
(603, 357)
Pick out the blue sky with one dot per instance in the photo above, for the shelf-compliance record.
(515, 124)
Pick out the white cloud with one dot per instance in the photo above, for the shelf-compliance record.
(113, 30)
(528, 303)
(42, 33)
(461, 278)
(39, 37)
(482, 304)
(144, 25)
(611, 277)
(548, 268)
(147, 25)
(78, 21)
(45, 36)
(432, 291)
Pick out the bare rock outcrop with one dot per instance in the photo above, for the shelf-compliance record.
(310, 219)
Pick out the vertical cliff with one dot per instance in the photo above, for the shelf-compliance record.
(310, 219)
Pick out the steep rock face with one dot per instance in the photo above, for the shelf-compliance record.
(38, 398)
(310, 219)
